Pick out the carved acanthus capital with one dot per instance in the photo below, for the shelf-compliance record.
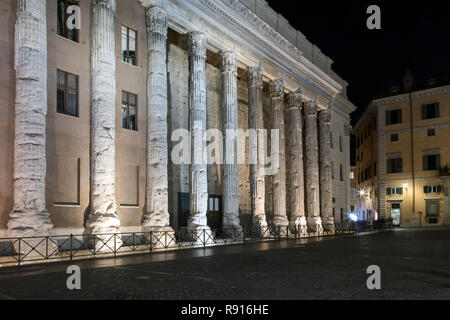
(277, 88)
(325, 115)
(255, 76)
(348, 129)
(294, 99)
(157, 21)
(228, 62)
(311, 108)
(197, 44)
(110, 4)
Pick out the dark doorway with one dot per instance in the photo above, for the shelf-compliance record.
(215, 214)
(183, 210)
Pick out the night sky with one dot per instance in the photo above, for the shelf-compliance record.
(414, 35)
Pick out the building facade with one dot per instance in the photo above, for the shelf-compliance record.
(90, 113)
(403, 156)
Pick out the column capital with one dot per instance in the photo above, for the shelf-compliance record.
(110, 4)
(157, 21)
(325, 115)
(197, 44)
(228, 62)
(255, 76)
(277, 88)
(311, 107)
(294, 99)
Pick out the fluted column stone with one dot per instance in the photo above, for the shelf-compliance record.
(295, 171)
(228, 68)
(326, 198)
(197, 223)
(103, 217)
(256, 123)
(279, 179)
(312, 167)
(157, 216)
(29, 216)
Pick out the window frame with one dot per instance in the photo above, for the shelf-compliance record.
(426, 162)
(76, 32)
(436, 111)
(66, 89)
(127, 59)
(390, 168)
(389, 120)
(128, 110)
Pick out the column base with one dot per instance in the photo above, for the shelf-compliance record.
(234, 232)
(328, 224)
(161, 237)
(31, 226)
(315, 224)
(300, 225)
(260, 226)
(200, 234)
(280, 221)
(102, 233)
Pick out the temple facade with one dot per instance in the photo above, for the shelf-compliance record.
(94, 91)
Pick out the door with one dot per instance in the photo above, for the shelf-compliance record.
(183, 210)
(396, 214)
(432, 211)
(215, 215)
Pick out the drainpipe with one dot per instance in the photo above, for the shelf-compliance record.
(412, 157)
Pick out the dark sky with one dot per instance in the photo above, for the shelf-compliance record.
(415, 35)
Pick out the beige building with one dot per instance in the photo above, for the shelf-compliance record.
(402, 155)
(88, 116)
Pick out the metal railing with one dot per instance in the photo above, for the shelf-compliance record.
(44, 249)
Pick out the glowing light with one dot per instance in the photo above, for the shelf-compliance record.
(353, 217)
(405, 185)
(362, 193)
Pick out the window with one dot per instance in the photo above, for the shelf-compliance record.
(342, 214)
(67, 94)
(430, 111)
(352, 175)
(63, 30)
(331, 140)
(332, 170)
(369, 130)
(341, 172)
(129, 111)
(393, 117)
(432, 209)
(394, 191)
(395, 166)
(436, 189)
(129, 46)
(375, 124)
(394, 137)
(341, 144)
(431, 132)
(362, 156)
(431, 162)
(375, 169)
(367, 174)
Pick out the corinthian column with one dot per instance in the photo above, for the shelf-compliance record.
(157, 215)
(29, 216)
(197, 223)
(279, 180)
(256, 123)
(312, 167)
(326, 200)
(228, 67)
(294, 132)
(103, 216)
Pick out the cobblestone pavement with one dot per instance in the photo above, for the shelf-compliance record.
(415, 264)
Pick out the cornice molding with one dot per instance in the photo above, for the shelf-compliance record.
(234, 19)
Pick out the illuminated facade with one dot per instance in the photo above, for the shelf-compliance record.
(88, 114)
(402, 158)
